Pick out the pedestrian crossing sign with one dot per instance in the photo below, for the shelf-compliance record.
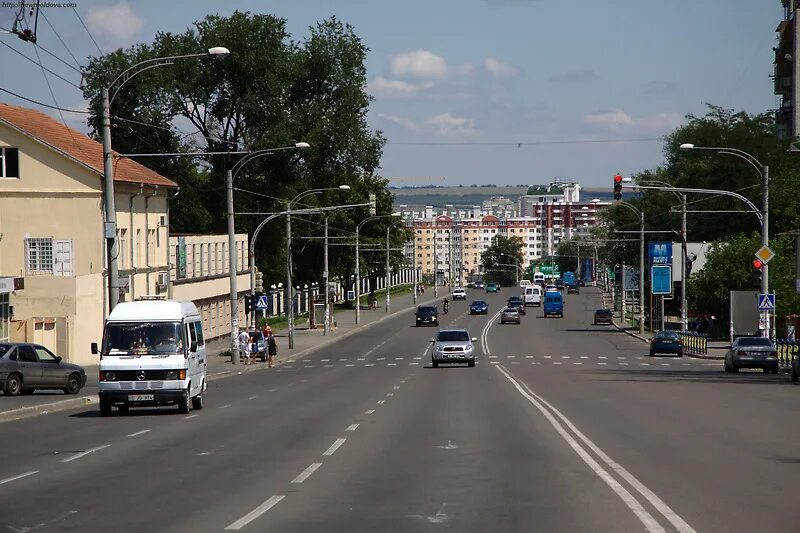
(261, 304)
(766, 302)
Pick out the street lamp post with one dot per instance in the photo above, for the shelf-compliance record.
(641, 267)
(358, 263)
(109, 204)
(763, 172)
(388, 266)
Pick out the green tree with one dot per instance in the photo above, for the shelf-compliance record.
(496, 258)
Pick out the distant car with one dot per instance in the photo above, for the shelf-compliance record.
(478, 284)
(258, 345)
(603, 316)
(550, 287)
(478, 307)
(517, 302)
(459, 294)
(427, 315)
(510, 314)
(492, 287)
(752, 352)
(573, 287)
(581, 283)
(560, 284)
(452, 346)
(26, 367)
(666, 342)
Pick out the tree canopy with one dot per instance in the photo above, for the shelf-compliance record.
(499, 260)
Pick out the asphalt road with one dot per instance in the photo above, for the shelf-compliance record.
(562, 426)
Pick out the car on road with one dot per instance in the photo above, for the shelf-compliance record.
(459, 293)
(581, 282)
(550, 287)
(573, 287)
(603, 316)
(453, 346)
(25, 367)
(667, 342)
(478, 284)
(518, 302)
(559, 283)
(553, 304)
(752, 352)
(427, 315)
(510, 314)
(478, 307)
(492, 287)
(258, 345)
(524, 283)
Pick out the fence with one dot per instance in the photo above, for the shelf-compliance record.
(695, 343)
(787, 351)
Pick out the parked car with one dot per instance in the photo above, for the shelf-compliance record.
(518, 302)
(603, 316)
(666, 342)
(752, 352)
(452, 346)
(492, 287)
(553, 304)
(478, 284)
(427, 315)
(478, 307)
(26, 367)
(258, 345)
(459, 293)
(510, 314)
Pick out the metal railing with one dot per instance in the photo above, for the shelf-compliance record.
(787, 351)
(696, 343)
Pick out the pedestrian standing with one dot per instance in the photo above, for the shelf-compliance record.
(272, 347)
(244, 346)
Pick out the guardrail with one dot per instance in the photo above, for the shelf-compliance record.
(696, 343)
(787, 351)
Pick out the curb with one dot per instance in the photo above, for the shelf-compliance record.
(36, 410)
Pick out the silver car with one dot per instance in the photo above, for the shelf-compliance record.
(26, 367)
(510, 314)
(752, 352)
(453, 346)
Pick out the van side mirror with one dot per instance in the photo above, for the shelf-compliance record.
(95, 351)
(433, 340)
(193, 347)
(59, 359)
(474, 339)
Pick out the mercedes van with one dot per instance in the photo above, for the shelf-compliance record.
(533, 295)
(153, 353)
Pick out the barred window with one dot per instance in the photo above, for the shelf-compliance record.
(39, 256)
(9, 163)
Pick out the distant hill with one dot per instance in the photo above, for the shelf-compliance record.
(468, 196)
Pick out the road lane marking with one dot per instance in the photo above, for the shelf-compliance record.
(391, 364)
(515, 362)
(554, 362)
(381, 402)
(224, 406)
(565, 357)
(255, 513)
(644, 364)
(528, 357)
(537, 401)
(190, 416)
(349, 364)
(328, 366)
(602, 364)
(85, 453)
(398, 358)
(665, 364)
(511, 356)
(380, 358)
(390, 394)
(352, 427)
(253, 397)
(325, 360)
(548, 356)
(369, 411)
(623, 364)
(584, 357)
(361, 359)
(396, 387)
(335, 446)
(602, 357)
(20, 476)
(305, 474)
(370, 364)
(577, 363)
(142, 432)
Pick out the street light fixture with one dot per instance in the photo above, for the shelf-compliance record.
(109, 204)
(358, 263)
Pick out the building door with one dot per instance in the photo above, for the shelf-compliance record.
(62, 258)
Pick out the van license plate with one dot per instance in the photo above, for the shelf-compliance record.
(140, 397)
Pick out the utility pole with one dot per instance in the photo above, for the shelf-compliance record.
(110, 229)
(388, 268)
(765, 241)
(414, 257)
(232, 271)
(435, 260)
(641, 272)
(684, 280)
(327, 326)
(289, 288)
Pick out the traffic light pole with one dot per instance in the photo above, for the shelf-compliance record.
(232, 271)
(769, 330)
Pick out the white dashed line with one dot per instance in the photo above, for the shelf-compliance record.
(224, 406)
(352, 427)
(335, 446)
(253, 397)
(528, 357)
(255, 513)
(370, 364)
(577, 363)
(381, 402)
(413, 363)
(548, 356)
(665, 364)
(398, 358)
(511, 356)
(514, 362)
(391, 364)
(584, 357)
(380, 358)
(565, 357)
(418, 358)
(602, 364)
(623, 364)
(85, 453)
(602, 357)
(390, 394)
(324, 360)
(369, 411)
(556, 362)
(396, 387)
(14, 478)
(142, 432)
(190, 416)
(349, 364)
(305, 474)
(620, 357)
(328, 366)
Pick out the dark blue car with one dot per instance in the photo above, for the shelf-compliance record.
(478, 307)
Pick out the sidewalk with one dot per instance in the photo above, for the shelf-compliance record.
(306, 341)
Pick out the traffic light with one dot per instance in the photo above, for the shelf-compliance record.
(372, 206)
(617, 187)
(248, 302)
(259, 282)
(757, 272)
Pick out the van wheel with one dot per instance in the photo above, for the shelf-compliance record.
(105, 407)
(434, 364)
(197, 402)
(73, 384)
(183, 404)
(13, 385)
(124, 410)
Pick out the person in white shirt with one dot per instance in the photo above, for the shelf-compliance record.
(244, 346)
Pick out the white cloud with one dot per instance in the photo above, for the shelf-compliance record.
(662, 121)
(420, 64)
(114, 23)
(609, 119)
(499, 69)
(405, 122)
(447, 123)
(387, 87)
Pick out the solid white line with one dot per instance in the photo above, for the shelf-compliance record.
(255, 513)
(84, 453)
(352, 427)
(369, 411)
(304, 475)
(14, 478)
(641, 513)
(335, 446)
(142, 432)
(190, 416)
(651, 497)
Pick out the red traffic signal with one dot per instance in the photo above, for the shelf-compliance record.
(618, 187)
(757, 264)
(617, 179)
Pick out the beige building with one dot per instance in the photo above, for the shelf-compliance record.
(52, 250)
(200, 274)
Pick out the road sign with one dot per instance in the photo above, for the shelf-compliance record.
(766, 302)
(661, 279)
(660, 253)
(765, 253)
(262, 304)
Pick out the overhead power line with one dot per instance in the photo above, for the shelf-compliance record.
(12, 93)
(87, 30)
(77, 63)
(520, 144)
(39, 64)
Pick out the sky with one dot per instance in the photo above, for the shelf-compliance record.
(477, 91)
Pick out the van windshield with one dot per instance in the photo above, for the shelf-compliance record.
(143, 338)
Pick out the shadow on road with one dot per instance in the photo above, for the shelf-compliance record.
(134, 412)
(694, 376)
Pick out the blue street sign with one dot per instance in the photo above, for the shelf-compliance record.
(661, 279)
(766, 302)
(660, 253)
(262, 303)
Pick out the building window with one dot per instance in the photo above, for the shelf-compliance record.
(38, 256)
(122, 238)
(9, 163)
